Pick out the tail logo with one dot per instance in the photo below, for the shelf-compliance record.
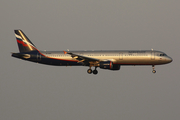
(22, 41)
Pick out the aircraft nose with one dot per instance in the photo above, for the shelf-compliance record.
(169, 59)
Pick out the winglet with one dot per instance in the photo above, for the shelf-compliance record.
(65, 52)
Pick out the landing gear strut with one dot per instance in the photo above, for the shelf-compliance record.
(95, 71)
(153, 67)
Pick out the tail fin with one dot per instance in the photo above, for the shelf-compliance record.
(24, 44)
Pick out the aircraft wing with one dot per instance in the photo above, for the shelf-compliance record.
(81, 58)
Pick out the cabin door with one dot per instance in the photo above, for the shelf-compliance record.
(38, 56)
(120, 56)
(152, 55)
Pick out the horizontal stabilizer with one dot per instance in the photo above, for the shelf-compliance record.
(20, 55)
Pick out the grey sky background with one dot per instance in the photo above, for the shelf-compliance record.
(30, 91)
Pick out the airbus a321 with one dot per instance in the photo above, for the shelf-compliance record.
(110, 60)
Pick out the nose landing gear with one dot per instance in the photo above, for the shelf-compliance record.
(153, 67)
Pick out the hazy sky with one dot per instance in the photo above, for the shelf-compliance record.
(30, 91)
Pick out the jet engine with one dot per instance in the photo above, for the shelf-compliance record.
(109, 65)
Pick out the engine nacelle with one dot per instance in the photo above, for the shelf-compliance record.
(109, 65)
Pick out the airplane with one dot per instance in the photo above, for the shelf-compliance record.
(109, 60)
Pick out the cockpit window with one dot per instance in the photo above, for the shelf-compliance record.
(163, 55)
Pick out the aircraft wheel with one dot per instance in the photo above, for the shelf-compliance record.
(95, 72)
(154, 71)
(153, 67)
(89, 71)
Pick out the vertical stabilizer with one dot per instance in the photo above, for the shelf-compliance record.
(24, 44)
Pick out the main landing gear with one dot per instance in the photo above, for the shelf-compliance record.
(92, 71)
(153, 67)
